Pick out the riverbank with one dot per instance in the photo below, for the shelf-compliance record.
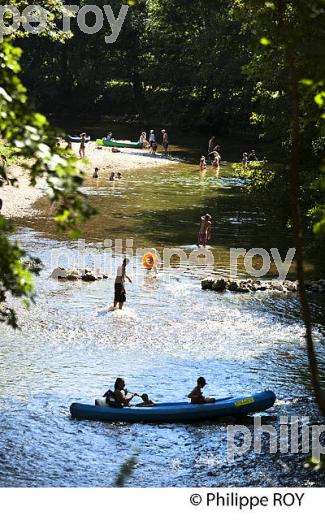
(18, 202)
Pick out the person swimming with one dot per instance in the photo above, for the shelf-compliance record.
(197, 396)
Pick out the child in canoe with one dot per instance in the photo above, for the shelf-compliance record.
(197, 396)
(145, 401)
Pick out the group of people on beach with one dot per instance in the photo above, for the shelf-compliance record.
(120, 397)
(151, 141)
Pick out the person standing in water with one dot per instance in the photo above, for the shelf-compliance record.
(205, 230)
(82, 149)
(203, 164)
(212, 144)
(119, 288)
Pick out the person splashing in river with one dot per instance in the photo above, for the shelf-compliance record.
(120, 294)
(197, 396)
(205, 230)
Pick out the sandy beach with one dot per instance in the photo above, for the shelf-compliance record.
(18, 202)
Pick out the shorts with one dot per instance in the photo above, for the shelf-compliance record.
(120, 295)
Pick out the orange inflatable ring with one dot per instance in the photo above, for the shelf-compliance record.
(149, 261)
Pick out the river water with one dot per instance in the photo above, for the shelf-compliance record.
(70, 349)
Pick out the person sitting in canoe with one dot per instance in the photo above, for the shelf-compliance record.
(118, 398)
(197, 396)
(145, 401)
(120, 294)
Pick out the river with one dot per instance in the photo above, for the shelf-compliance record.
(69, 349)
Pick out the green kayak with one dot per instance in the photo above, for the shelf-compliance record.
(119, 144)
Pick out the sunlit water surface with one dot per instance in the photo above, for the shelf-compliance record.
(70, 348)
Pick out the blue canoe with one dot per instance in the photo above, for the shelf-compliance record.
(177, 412)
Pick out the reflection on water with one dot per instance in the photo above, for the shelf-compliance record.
(70, 349)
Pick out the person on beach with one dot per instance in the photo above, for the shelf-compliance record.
(117, 398)
(143, 139)
(212, 144)
(119, 287)
(82, 149)
(165, 141)
(112, 176)
(95, 174)
(205, 230)
(4, 167)
(197, 396)
(152, 141)
(203, 164)
(118, 176)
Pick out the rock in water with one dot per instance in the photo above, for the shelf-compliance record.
(207, 283)
(88, 278)
(58, 273)
(219, 285)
